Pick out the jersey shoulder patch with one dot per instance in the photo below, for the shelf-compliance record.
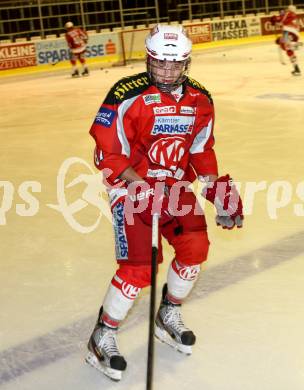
(128, 87)
(197, 85)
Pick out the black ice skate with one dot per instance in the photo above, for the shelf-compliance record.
(85, 72)
(296, 71)
(75, 73)
(104, 354)
(170, 328)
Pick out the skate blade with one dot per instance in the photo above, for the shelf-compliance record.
(92, 360)
(164, 337)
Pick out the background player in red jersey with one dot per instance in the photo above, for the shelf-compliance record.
(154, 136)
(77, 41)
(289, 41)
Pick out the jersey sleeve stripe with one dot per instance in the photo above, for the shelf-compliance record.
(201, 139)
(123, 107)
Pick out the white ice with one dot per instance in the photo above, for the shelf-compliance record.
(247, 308)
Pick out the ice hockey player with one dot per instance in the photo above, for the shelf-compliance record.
(154, 136)
(289, 40)
(77, 40)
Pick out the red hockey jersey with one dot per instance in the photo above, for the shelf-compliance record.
(76, 40)
(289, 21)
(139, 126)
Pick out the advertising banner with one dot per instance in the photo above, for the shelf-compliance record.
(17, 55)
(99, 45)
(235, 28)
(268, 29)
(199, 33)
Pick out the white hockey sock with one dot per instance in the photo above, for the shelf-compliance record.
(119, 299)
(181, 279)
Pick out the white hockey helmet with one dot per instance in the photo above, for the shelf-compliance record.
(292, 8)
(168, 56)
(68, 25)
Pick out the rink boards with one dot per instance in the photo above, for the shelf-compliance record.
(121, 46)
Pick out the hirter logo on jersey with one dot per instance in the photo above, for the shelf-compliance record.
(105, 117)
(173, 125)
(167, 152)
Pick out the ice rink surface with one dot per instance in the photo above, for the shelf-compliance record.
(57, 254)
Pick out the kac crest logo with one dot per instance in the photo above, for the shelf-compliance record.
(167, 152)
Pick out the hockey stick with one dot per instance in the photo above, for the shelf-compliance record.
(150, 363)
